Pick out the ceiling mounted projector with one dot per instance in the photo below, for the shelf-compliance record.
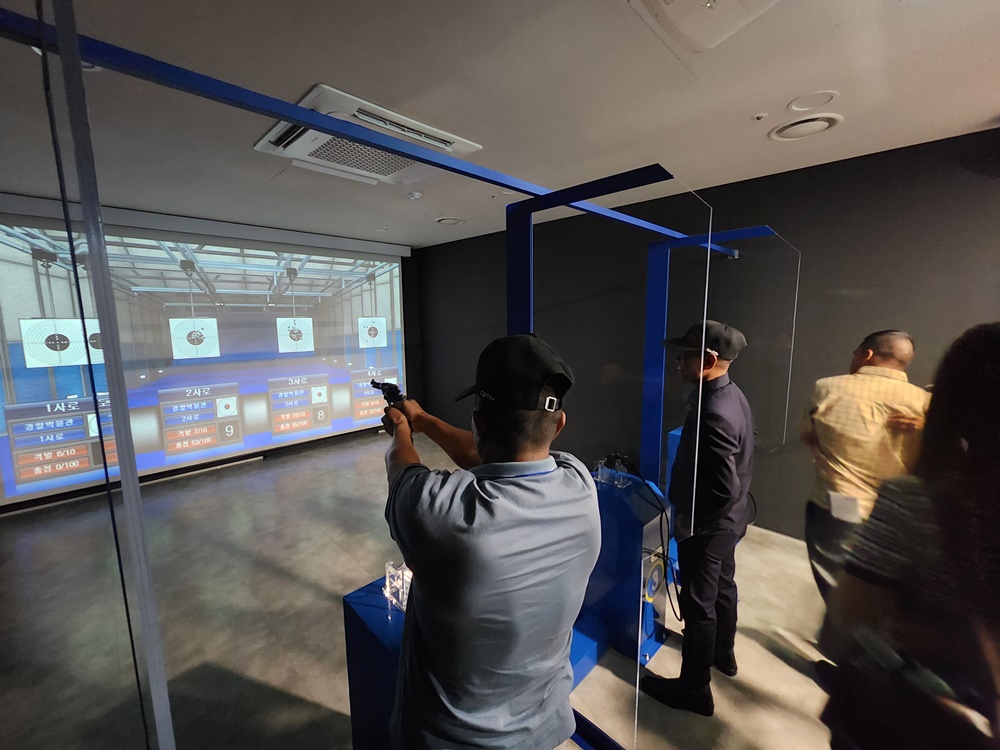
(698, 25)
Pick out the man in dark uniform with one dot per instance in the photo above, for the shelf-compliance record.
(709, 486)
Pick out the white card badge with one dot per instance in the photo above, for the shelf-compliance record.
(844, 508)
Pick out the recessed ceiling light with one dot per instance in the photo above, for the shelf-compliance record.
(805, 127)
(505, 191)
(449, 221)
(815, 100)
(381, 229)
(86, 67)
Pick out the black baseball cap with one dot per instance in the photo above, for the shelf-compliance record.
(723, 341)
(513, 371)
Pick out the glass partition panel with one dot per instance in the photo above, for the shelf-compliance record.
(607, 295)
(266, 331)
(255, 310)
(758, 293)
(70, 678)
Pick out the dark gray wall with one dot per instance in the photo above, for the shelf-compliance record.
(904, 239)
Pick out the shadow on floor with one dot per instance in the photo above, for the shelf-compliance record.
(216, 709)
(741, 703)
(790, 650)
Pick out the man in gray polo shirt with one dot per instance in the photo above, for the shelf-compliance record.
(501, 551)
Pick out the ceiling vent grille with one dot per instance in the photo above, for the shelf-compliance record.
(360, 157)
(340, 157)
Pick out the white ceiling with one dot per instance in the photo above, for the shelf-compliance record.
(558, 92)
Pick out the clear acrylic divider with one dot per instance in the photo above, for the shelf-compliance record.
(74, 671)
(241, 339)
(758, 294)
(597, 305)
(236, 345)
(236, 341)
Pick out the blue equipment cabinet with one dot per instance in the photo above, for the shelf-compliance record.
(624, 575)
(610, 614)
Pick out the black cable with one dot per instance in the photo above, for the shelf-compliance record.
(664, 517)
(63, 194)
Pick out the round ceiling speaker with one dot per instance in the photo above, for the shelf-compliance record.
(815, 100)
(805, 127)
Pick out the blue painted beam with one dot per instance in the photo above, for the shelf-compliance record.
(595, 188)
(519, 236)
(729, 236)
(520, 271)
(654, 361)
(26, 30)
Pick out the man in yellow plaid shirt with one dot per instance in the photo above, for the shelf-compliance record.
(863, 428)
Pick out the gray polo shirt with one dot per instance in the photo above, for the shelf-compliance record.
(501, 556)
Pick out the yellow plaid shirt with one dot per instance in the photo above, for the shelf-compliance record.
(855, 451)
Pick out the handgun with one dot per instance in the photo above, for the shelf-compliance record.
(390, 391)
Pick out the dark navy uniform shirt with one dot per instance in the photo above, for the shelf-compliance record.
(715, 500)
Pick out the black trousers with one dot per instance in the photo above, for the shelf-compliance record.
(828, 542)
(708, 602)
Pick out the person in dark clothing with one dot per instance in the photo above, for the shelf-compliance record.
(709, 487)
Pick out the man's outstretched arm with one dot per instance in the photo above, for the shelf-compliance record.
(458, 444)
(401, 453)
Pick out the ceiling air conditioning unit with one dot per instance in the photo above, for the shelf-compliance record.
(698, 25)
(330, 154)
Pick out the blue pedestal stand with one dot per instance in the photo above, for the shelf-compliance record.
(609, 617)
(373, 634)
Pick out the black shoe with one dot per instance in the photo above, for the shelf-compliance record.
(727, 664)
(675, 694)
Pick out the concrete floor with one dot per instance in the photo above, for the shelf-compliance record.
(251, 563)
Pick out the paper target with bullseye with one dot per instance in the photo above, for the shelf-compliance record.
(372, 333)
(194, 338)
(92, 330)
(295, 335)
(53, 342)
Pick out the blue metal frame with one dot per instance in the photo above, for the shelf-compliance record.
(520, 236)
(634, 178)
(520, 271)
(26, 30)
(654, 352)
(728, 236)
